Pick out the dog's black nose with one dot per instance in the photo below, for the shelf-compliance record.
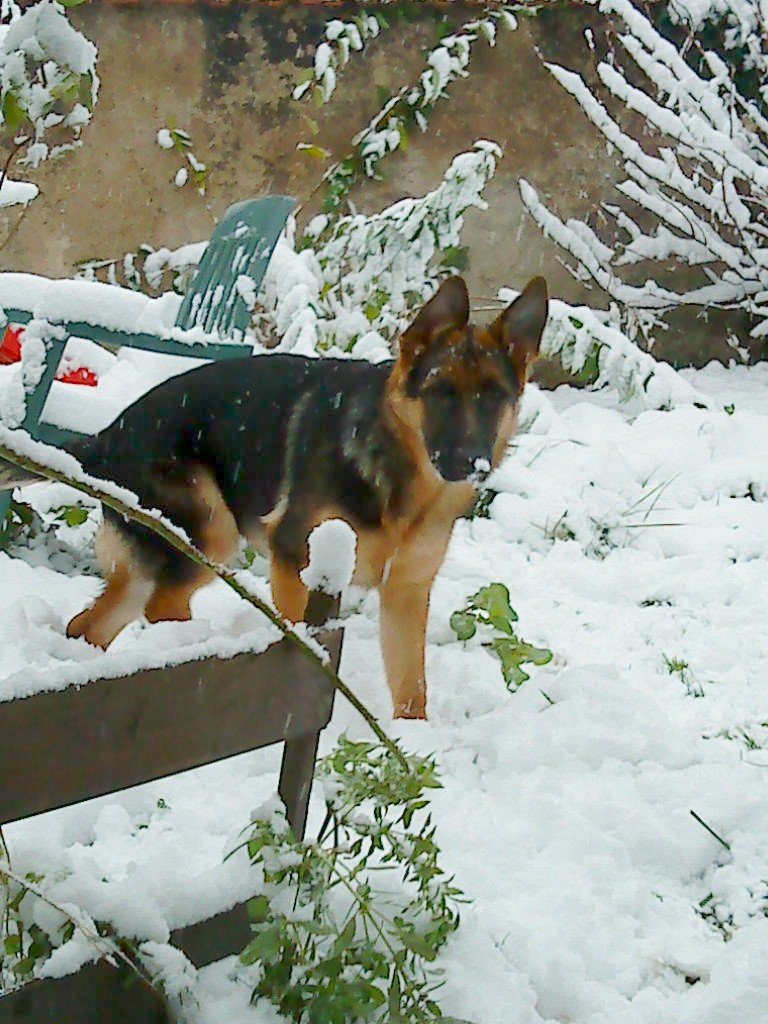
(455, 466)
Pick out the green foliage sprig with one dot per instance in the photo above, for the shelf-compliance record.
(490, 609)
(48, 82)
(180, 142)
(342, 38)
(412, 104)
(349, 925)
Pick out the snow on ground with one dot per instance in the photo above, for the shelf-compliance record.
(636, 549)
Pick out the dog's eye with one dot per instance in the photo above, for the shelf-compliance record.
(443, 391)
(492, 390)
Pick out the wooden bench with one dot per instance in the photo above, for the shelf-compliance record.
(66, 746)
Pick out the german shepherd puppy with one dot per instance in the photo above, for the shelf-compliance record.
(268, 447)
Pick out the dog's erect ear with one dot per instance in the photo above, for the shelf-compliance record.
(518, 329)
(448, 307)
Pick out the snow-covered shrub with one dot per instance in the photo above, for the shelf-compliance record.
(352, 281)
(601, 355)
(48, 81)
(341, 39)
(374, 269)
(411, 104)
(696, 188)
(148, 270)
(349, 277)
(349, 925)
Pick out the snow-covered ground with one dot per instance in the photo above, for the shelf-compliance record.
(635, 546)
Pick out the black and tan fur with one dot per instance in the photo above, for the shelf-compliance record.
(271, 446)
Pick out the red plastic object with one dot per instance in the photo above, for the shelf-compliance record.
(10, 352)
(10, 347)
(80, 375)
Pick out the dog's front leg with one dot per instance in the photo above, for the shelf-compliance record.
(288, 554)
(402, 622)
(404, 602)
(289, 594)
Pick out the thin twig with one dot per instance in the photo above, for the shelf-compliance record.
(144, 518)
(7, 166)
(710, 830)
(104, 945)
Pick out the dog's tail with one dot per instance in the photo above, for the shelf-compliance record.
(12, 475)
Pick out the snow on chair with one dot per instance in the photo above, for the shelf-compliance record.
(210, 323)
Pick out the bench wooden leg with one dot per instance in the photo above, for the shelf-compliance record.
(296, 775)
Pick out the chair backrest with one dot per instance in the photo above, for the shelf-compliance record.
(240, 246)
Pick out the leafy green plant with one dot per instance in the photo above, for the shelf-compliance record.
(23, 945)
(752, 737)
(181, 142)
(490, 609)
(48, 82)
(19, 519)
(72, 515)
(350, 924)
(406, 110)
(680, 668)
(481, 507)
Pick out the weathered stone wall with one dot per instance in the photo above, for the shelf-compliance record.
(225, 75)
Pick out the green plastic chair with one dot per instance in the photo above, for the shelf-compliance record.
(240, 247)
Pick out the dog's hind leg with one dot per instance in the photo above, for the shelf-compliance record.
(121, 602)
(287, 533)
(217, 534)
(144, 575)
(171, 602)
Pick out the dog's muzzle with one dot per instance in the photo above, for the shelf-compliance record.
(457, 467)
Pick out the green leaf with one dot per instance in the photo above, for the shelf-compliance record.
(24, 967)
(14, 114)
(345, 938)
(73, 515)
(316, 152)
(258, 909)
(536, 655)
(265, 945)
(463, 624)
(510, 658)
(418, 944)
(12, 945)
(394, 1000)
(329, 968)
(40, 948)
(494, 599)
(456, 257)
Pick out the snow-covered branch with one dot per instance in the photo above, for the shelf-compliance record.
(412, 104)
(696, 186)
(48, 81)
(341, 40)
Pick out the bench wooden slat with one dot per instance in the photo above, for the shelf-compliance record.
(62, 747)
